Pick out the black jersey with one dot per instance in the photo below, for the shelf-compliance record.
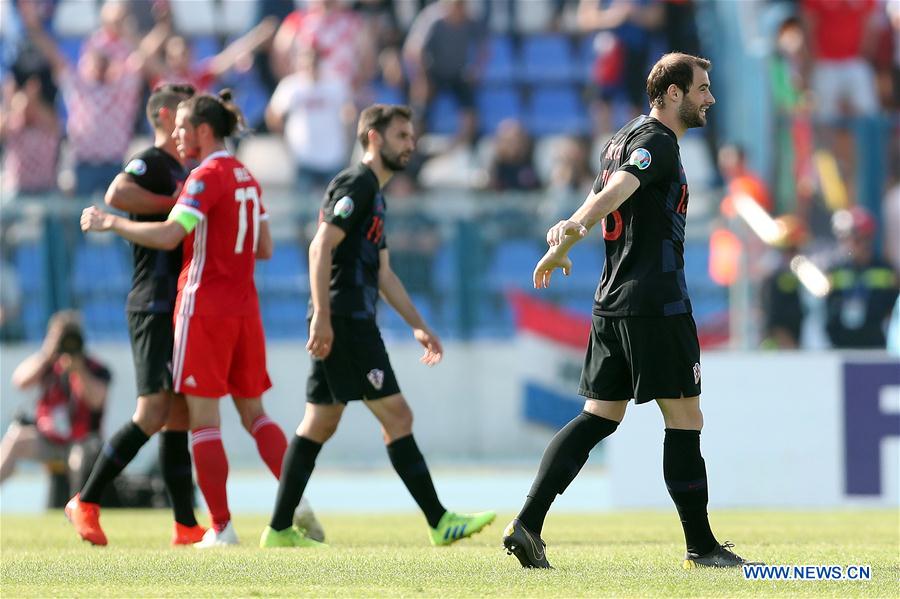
(354, 202)
(644, 270)
(154, 283)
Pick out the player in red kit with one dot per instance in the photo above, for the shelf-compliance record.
(219, 341)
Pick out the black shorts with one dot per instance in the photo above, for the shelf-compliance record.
(644, 358)
(358, 366)
(152, 338)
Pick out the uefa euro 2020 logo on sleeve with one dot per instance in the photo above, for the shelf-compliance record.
(343, 207)
(640, 158)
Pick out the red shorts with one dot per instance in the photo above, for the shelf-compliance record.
(215, 356)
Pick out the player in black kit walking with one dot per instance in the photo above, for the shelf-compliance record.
(643, 342)
(349, 266)
(146, 189)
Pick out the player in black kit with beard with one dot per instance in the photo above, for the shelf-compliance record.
(349, 266)
(643, 342)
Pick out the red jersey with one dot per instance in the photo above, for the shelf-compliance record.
(839, 26)
(220, 253)
(62, 414)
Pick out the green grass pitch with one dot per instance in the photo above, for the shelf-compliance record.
(629, 554)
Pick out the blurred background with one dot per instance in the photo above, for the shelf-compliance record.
(792, 251)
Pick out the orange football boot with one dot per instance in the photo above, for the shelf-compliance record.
(187, 535)
(85, 517)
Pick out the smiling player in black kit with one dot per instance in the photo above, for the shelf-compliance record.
(643, 343)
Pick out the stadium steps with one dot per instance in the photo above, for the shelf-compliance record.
(496, 105)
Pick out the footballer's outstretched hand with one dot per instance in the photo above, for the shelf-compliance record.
(552, 260)
(94, 219)
(434, 351)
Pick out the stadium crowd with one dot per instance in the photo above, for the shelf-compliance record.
(512, 96)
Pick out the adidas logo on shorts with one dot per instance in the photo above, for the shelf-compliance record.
(190, 381)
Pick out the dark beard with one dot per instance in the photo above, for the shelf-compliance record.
(392, 162)
(689, 115)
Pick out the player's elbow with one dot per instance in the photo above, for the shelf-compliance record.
(20, 381)
(172, 238)
(113, 197)
(385, 276)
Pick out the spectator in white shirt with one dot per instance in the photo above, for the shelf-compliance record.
(314, 113)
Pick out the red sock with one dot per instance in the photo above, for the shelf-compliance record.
(212, 472)
(270, 441)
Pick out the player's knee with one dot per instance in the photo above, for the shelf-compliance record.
(686, 420)
(398, 423)
(151, 413)
(249, 411)
(317, 428)
(179, 419)
(149, 422)
(405, 421)
(611, 410)
(247, 422)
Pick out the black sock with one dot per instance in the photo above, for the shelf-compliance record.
(115, 455)
(410, 465)
(175, 464)
(562, 461)
(299, 461)
(685, 473)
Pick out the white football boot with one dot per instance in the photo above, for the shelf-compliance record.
(211, 538)
(305, 519)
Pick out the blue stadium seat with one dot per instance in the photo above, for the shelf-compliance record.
(696, 262)
(34, 317)
(587, 55)
(547, 59)
(101, 269)
(250, 96)
(587, 259)
(513, 264)
(579, 304)
(382, 93)
(501, 64)
(204, 46)
(495, 319)
(496, 105)
(29, 265)
(104, 318)
(70, 47)
(707, 298)
(445, 267)
(285, 272)
(393, 324)
(557, 110)
(443, 114)
(285, 317)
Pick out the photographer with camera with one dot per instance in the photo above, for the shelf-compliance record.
(64, 430)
